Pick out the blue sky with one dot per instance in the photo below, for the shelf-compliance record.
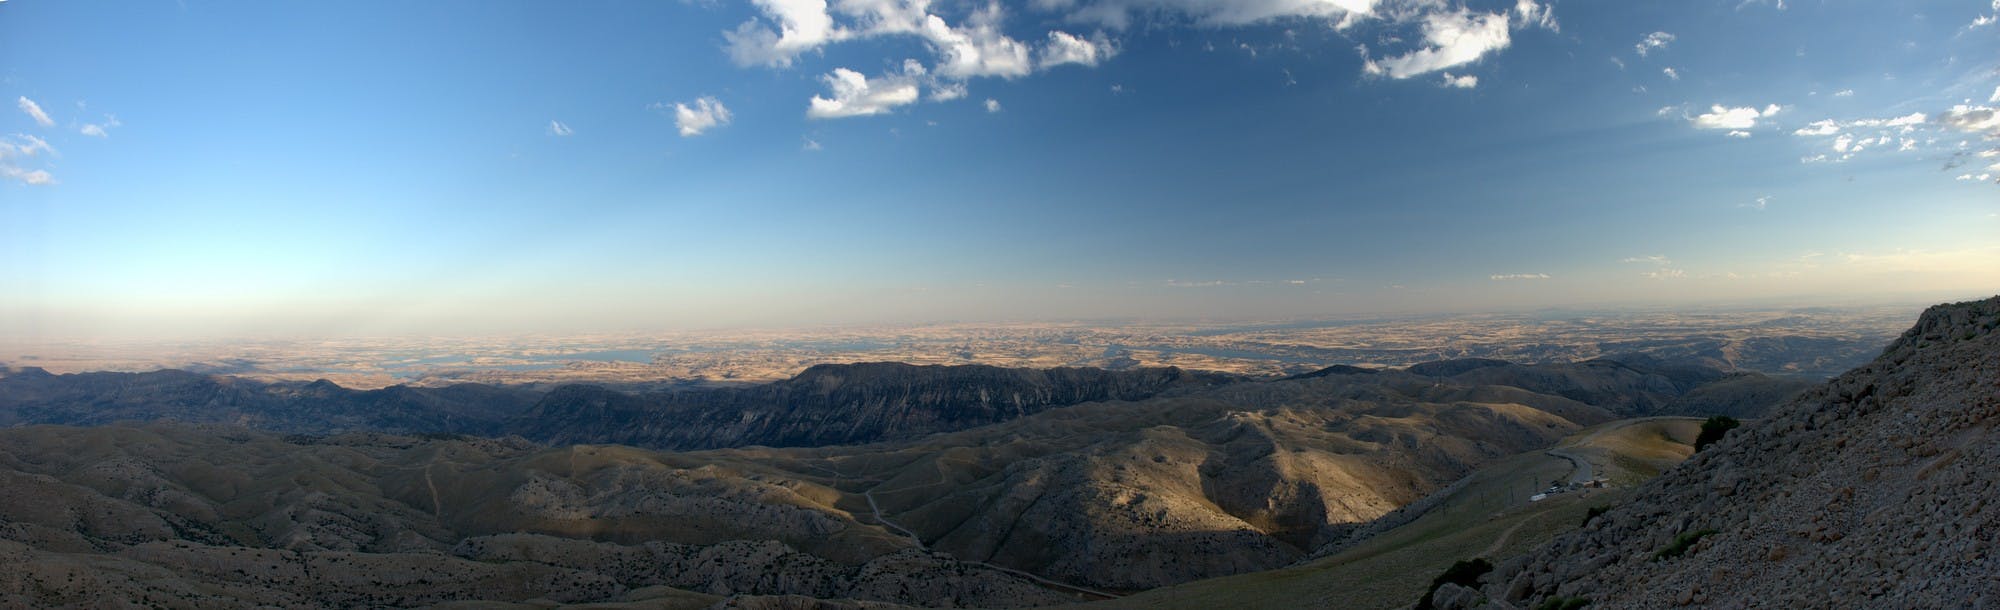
(231, 168)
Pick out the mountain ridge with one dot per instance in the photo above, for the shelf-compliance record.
(1873, 486)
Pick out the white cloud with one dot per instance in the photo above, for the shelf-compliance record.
(1065, 48)
(979, 49)
(21, 146)
(34, 111)
(1518, 276)
(1654, 42)
(967, 40)
(810, 145)
(858, 95)
(1819, 128)
(802, 25)
(992, 105)
(1450, 39)
(100, 130)
(1120, 14)
(1532, 13)
(1462, 82)
(1671, 73)
(1996, 96)
(706, 113)
(1733, 118)
(1738, 134)
(1665, 274)
(1657, 259)
(558, 129)
(947, 91)
(1759, 204)
(1844, 93)
(1973, 119)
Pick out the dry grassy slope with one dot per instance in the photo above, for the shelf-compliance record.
(1488, 515)
(191, 517)
(1138, 495)
(1873, 490)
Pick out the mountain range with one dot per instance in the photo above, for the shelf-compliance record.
(881, 483)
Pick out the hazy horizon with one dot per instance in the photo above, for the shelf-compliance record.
(223, 170)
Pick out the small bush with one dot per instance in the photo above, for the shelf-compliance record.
(1461, 573)
(1681, 544)
(1562, 603)
(1714, 429)
(1594, 513)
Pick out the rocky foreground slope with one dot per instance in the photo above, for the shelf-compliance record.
(1878, 489)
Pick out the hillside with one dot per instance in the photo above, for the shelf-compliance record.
(837, 404)
(832, 404)
(33, 396)
(1874, 489)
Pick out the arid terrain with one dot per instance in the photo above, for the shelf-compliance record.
(991, 487)
(1813, 342)
(1086, 497)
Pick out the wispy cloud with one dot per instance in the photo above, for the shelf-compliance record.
(100, 129)
(992, 105)
(1734, 118)
(1657, 259)
(854, 94)
(558, 129)
(18, 148)
(1467, 81)
(1065, 48)
(1501, 277)
(34, 111)
(1450, 39)
(706, 113)
(1655, 41)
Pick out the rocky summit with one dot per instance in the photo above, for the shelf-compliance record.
(1876, 489)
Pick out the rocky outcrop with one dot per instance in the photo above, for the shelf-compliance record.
(1875, 489)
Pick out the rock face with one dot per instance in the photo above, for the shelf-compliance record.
(840, 404)
(1876, 489)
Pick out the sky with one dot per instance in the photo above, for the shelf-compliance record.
(222, 169)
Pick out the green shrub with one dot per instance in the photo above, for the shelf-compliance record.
(1714, 429)
(1681, 544)
(1461, 573)
(1593, 513)
(1562, 603)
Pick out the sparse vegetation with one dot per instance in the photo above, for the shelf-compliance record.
(1462, 573)
(1681, 544)
(1593, 513)
(1714, 429)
